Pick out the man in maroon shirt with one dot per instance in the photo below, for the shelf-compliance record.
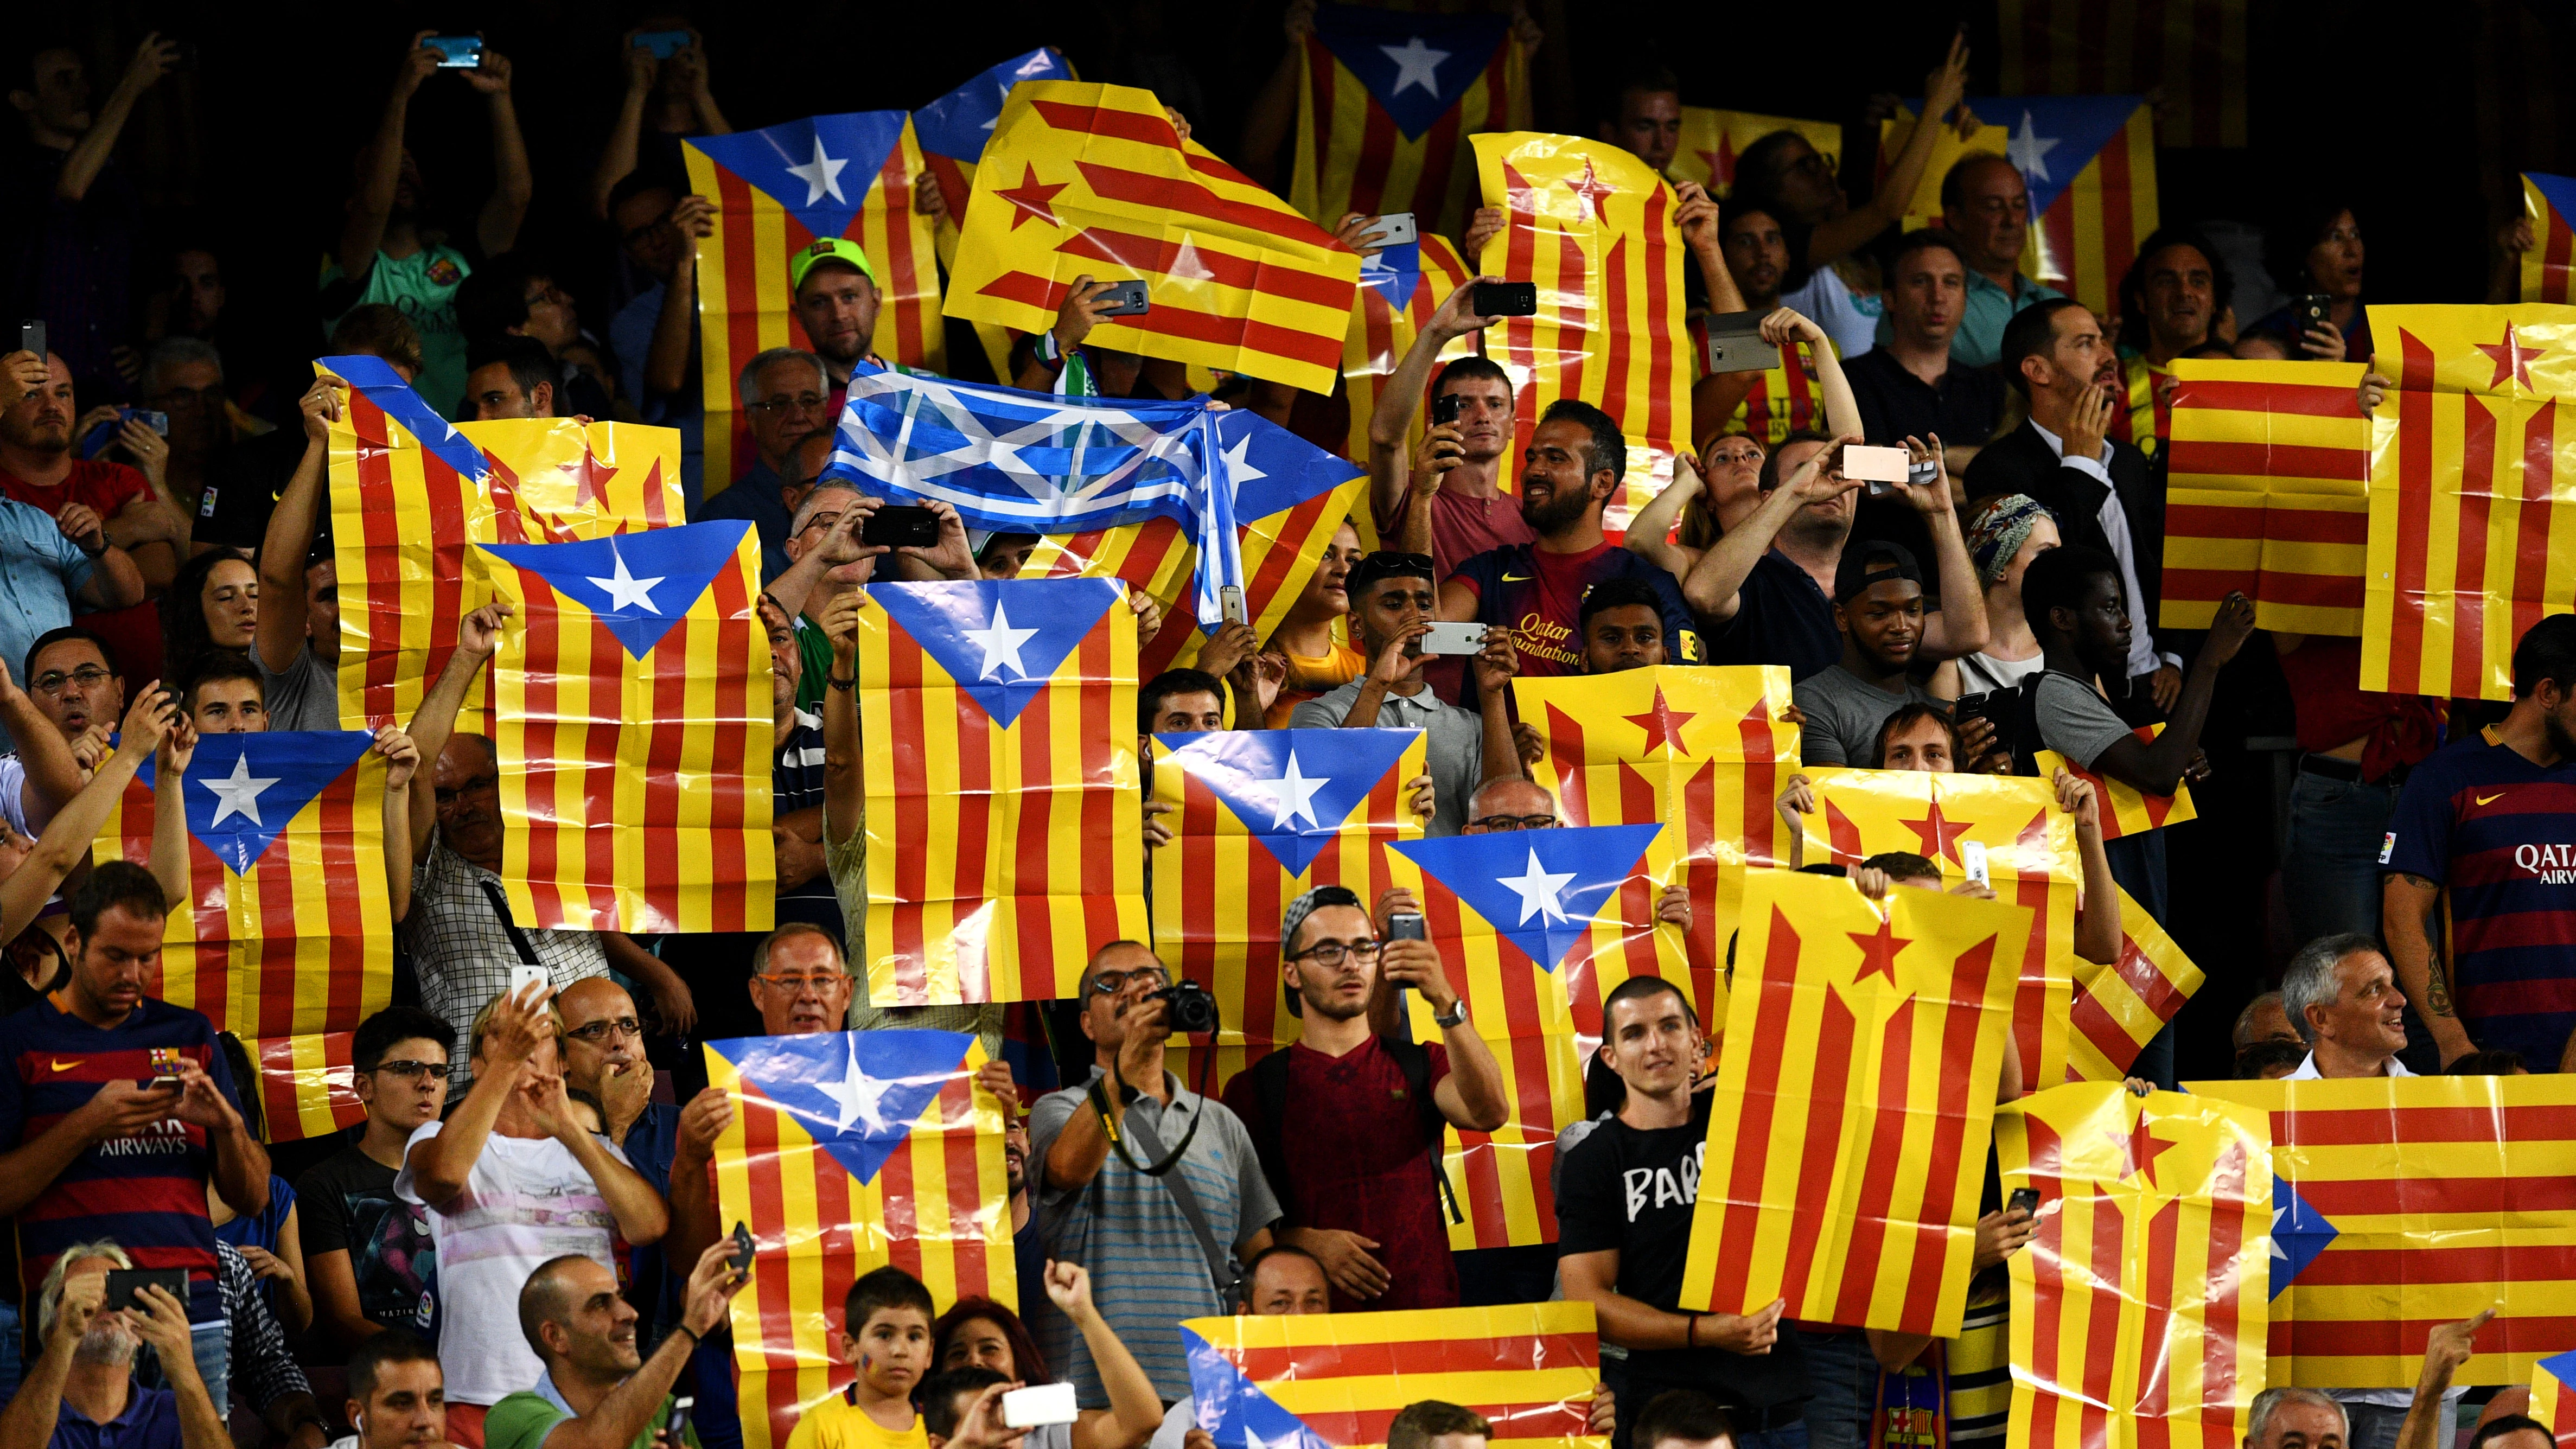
(1340, 1120)
(1453, 499)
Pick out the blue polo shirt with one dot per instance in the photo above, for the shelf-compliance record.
(150, 1421)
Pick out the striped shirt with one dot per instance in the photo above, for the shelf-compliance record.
(464, 957)
(262, 1368)
(1147, 1268)
(1979, 1362)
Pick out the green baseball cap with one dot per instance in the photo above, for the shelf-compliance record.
(829, 249)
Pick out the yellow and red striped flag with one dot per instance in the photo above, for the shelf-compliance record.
(410, 494)
(1084, 179)
(779, 190)
(1385, 102)
(1258, 818)
(2190, 52)
(1336, 1381)
(1855, 1088)
(1400, 287)
(953, 131)
(2550, 202)
(849, 1151)
(2090, 164)
(2030, 859)
(1712, 139)
(1593, 228)
(2119, 1007)
(2267, 491)
(2468, 489)
(1700, 751)
(2400, 1204)
(1003, 817)
(288, 930)
(2124, 809)
(2138, 1309)
(2551, 1403)
(307, 1084)
(631, 709)
(1524, 919)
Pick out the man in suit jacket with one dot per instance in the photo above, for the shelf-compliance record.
(2102, 490)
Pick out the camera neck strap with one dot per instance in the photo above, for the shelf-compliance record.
(1223, 1272)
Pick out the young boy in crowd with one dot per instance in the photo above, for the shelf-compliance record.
(885, 1330)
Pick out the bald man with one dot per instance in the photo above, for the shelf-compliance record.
(596, 1383)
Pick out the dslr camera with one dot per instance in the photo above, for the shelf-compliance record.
(1189, 1007)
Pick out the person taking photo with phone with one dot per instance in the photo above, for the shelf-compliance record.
(598, 1390)
(1445, 496)
(82, 1389)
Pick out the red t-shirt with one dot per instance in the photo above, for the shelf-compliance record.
(134, 632)
(1371, 1173)
(2402, 729)
(1463, 527)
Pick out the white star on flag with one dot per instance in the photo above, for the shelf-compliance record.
(822, 175)
(860, 1096)
(1001, 644)
(625, 591)
(1416, 64)
(1292, 796)
(1540, 890)
(240, 793)
(1238, 463)
(2028, 150)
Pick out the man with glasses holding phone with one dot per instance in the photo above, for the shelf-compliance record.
(367, 1252)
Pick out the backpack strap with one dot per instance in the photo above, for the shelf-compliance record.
(1415, 1061)
(1270, 1094)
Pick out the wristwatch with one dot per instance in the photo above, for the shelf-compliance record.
(1455, 1016)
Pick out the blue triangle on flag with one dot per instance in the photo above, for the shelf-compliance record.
(243, 790)
(856, 1093)
(1271, 468)
(1234, 1410)
(638, 584)
(1416, 65)
(1002, 640)
(1291, 788)
(819, 168)
(960, 123)
(1393, 273)
(2299, 1234)
(384, 387)
(2560, 193)
(1538, 888)
(2053, 137)
(2562, 1366)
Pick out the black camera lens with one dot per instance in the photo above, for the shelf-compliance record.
(1190, 1009)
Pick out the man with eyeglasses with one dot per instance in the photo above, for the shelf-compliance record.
(787, 395)
(1986, 205)
(62, 722)
(367, 1253)
(1349, 1122)
(828, 557)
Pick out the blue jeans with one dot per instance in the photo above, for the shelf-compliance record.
(2330, 855)
(1843, 1374)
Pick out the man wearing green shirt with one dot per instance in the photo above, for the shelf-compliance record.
(597, 1391)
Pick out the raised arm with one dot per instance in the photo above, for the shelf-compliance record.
(1135, 1410)
(2156, 766)
(114, 582)
(478, 635)
(2448, 1347)
(288, 544)
(642, 1216)
(696, 1220)
(617, 153)
(402, 762)
(153, 59)
(497, 229)
(666, 357)
(1842, 410)
(1713, 587)
(2097, 925)
(68, 836)
(1959, 626)
(440, 1166)
(1392, 418)
(170, 814)
(1495, 664)
(1592, 1278)
(1943, 91)
(1696, 217)
(380, 167)
(620, 1418)
(1650, 531)
(53, 776)
(1273, 113)
(845, 799)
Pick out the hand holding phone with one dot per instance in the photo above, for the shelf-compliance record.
(457, 52)
(1454, 638)
(2023, 1200)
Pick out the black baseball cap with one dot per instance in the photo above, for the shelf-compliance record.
(1385, 565)
(1873, 562)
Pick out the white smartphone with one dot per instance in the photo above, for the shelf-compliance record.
(1230, 602)
(523, 976)
(1039, 1404)
(1972, 856)
(1454, 639)
(1391, 230)
(1865, 464)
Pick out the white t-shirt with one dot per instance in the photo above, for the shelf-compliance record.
(1983, 673)
(527, 1200)
(1847, 317)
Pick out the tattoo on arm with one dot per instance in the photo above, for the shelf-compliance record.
(2419, 881)
(2437, 985)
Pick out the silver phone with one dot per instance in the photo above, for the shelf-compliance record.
(1394, 229)
(1230, 601)
(1972, 856)
(1454, 639)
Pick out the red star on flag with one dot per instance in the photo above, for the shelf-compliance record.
(590, 480)
(2140, 1149)
(1663, 725)
(2511, 359)
(1032, 199)
(1878, 952)
(1940, 837)
(1591, 190)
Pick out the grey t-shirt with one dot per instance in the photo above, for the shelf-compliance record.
(306, 696)
(1453, 747)
(1843, 713)
(2074, 720)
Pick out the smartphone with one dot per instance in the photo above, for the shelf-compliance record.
(901, 526)
(1507, 299)
(663, 43)
(122, 1283)
(1446, 407)
(457, 52)
(1454, 639)
(1735, 343)
(156, 421)
(523, 976)
(741, 1256)
(1404, 926)
(31, 336)
(1039, 1404)
(676, 1427)
(1394, 229)
(2308, 310)
(1230, 599)
(1124, 299)
(2023, 1200)
(1972, 855)
(1878, 467)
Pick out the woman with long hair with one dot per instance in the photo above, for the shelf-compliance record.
(981, 1333)
(212, 604)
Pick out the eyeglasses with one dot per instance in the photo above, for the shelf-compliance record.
(1110, 983)
(822, 521)
(798, 980)
(802, 402)
(1333, 953)
(599, 1031)
(1816, 161)
(414, 1072)
(1515, 822)
(88, 676)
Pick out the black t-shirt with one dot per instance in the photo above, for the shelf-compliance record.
(349, 1206)
(1634, 1191)
(1962, 407)
(1781, 617)
(241, 488)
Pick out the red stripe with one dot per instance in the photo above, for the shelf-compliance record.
(1660, 423)
(2221, 1319)
(1857, 1274)
(2047, 1259)
(1314, 349)
(2119, 232)
(2501, 1263)
(894, 193)
(2509, 1333)
(1187, 199)
(1961, 1019)
(1574, 316)
(1098, 734)
(2193, 457)
(2275, 399)
(1322, 75)
(2030, 998)
(2156, 1328)
(1827, 1088)
(1480, 1195)
(2102, 1318)
(2407, 1126)
(907, 756)
(1379, 139)
(1026, 906)
(2529, 587)
(2281, 525)
(1267, 273)
(2324, 591)
(1520, 334)
(1542, 1419)
(736, 202)
(2561, 249)
(2481, 469)
(1377, 1358)
(957, 1147)
(1440, 154)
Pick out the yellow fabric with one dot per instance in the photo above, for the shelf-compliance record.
(836, 1423)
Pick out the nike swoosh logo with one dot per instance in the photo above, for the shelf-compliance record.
(63, 1066)
(1516, 578)
(2491, 799)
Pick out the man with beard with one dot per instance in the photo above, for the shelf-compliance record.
(1575, 462)
(61, 550)
(1878, 601)
(836, 298)
(1349, 1123)
(2169, 305)
(81, 1389)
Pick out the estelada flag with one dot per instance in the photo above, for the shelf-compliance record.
(2090, 164)
(1258, 818)
(2551, 1403)
(849, 1151)
(1524, 920)
(2031, 861)
(779, 190)
(1855, 1088)
(953, 130)
(2549, 201)
(2190, 52)
(1712, 139)
(1385, 100)
(2139, 1307)
(1003, 818)
(1337, 1381)
(2123, 808)
(2470, 469)
(1592, 227)
(1400, 287)
(411, 492)
(1084, 179)
(631, 713)
(1700, 751)
(307, 1084)
(2267, 491)
(2119, 1007)
(2403, 1203)
(287, 930)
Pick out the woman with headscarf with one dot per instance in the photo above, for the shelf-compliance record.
(2004, 535)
